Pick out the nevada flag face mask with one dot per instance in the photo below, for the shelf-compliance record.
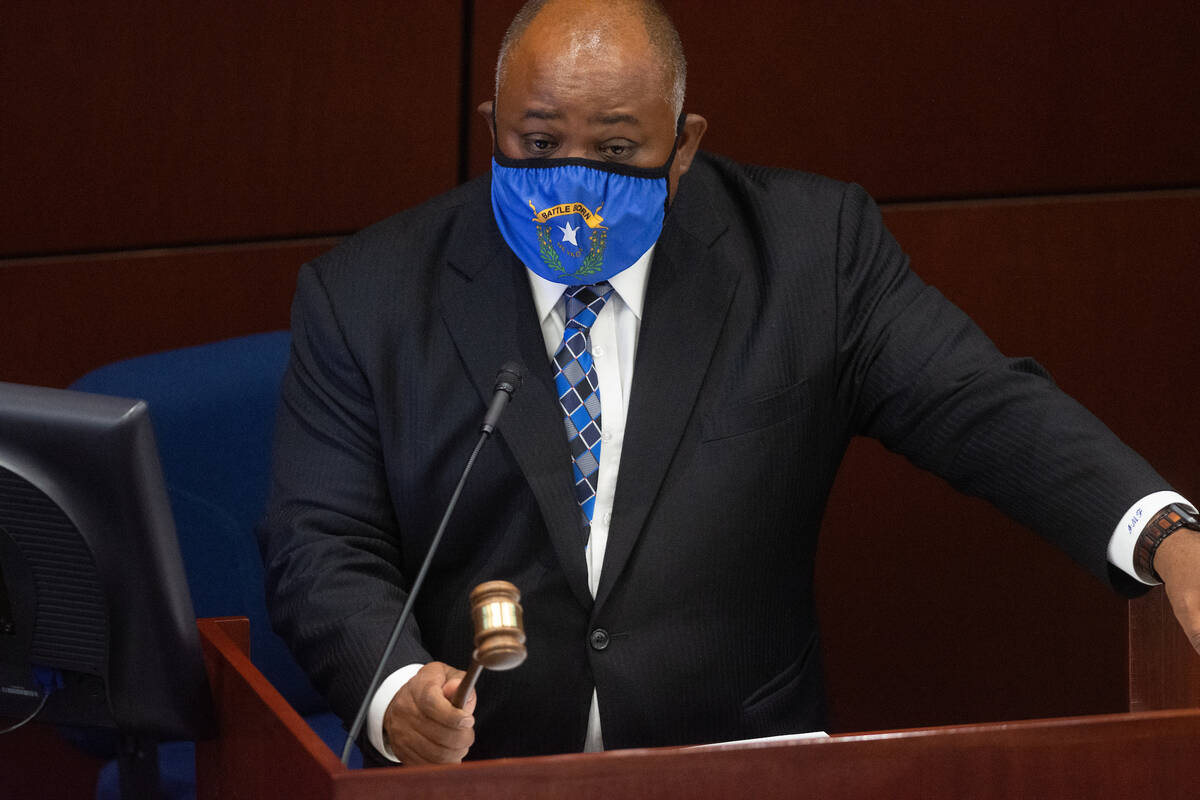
(578, 221)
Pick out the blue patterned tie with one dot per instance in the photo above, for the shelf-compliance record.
(579, 391)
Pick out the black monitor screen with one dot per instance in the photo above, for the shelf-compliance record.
(96, 623)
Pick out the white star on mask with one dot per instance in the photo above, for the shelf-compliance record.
(569, 233)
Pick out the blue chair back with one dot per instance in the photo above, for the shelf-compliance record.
(213, 409)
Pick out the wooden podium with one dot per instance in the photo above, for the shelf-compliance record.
(265, 749)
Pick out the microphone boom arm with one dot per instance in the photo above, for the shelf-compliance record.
(507, 382)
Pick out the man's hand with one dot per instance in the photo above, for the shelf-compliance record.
(1177, 562)
(422, 726)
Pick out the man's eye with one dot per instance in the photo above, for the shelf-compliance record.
(616, 150)
(539, 146)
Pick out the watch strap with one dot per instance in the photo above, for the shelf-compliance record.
(1156, 530)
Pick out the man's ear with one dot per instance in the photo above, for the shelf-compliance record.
(694, 127)
(487, 110)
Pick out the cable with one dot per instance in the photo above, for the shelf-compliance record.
(356, 728)
(28, 719)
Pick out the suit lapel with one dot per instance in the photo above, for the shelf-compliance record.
(687, 298)
(487, 307)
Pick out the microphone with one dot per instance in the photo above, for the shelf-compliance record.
(508, 380)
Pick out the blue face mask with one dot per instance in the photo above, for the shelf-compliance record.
(578, 221)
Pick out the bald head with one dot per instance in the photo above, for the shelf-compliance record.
(600, 80)
(586, 27)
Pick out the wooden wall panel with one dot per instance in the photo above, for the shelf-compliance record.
(64, 316)
(936, 609)
(144, 123)
(1086, 284)
(917, 99)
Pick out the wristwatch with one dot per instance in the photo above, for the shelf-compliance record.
(1160, 526)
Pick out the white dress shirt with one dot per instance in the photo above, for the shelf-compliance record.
(614, 339)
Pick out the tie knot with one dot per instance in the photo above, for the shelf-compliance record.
(584, 303)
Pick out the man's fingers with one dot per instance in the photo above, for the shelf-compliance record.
(451, 689)
(419, 740)
(433, 702)
(442, 724)
(422, 725)
(418, 749)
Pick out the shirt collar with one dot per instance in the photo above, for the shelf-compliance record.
(629, 284)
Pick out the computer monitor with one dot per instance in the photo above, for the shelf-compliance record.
(96, 623)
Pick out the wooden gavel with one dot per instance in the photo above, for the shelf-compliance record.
(499, 633)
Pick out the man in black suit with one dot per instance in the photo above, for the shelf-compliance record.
(773, 319)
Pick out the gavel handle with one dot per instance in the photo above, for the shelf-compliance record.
(468, 683)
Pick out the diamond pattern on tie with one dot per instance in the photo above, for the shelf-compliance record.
(579, 391)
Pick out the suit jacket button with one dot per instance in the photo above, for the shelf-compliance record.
(599, 639)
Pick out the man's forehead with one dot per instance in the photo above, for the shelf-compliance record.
(603, 48)
(608, 89)
(622, 60)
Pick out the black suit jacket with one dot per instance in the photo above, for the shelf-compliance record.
(781, 319)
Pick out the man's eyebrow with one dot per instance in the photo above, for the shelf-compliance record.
(539, 113)
(615, 119)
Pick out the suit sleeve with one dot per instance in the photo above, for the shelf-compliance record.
(330, 541)
(921, 377)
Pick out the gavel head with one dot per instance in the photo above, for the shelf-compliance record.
(499, 627)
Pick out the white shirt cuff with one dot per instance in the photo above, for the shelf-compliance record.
(1124, 538)
(379, 705)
